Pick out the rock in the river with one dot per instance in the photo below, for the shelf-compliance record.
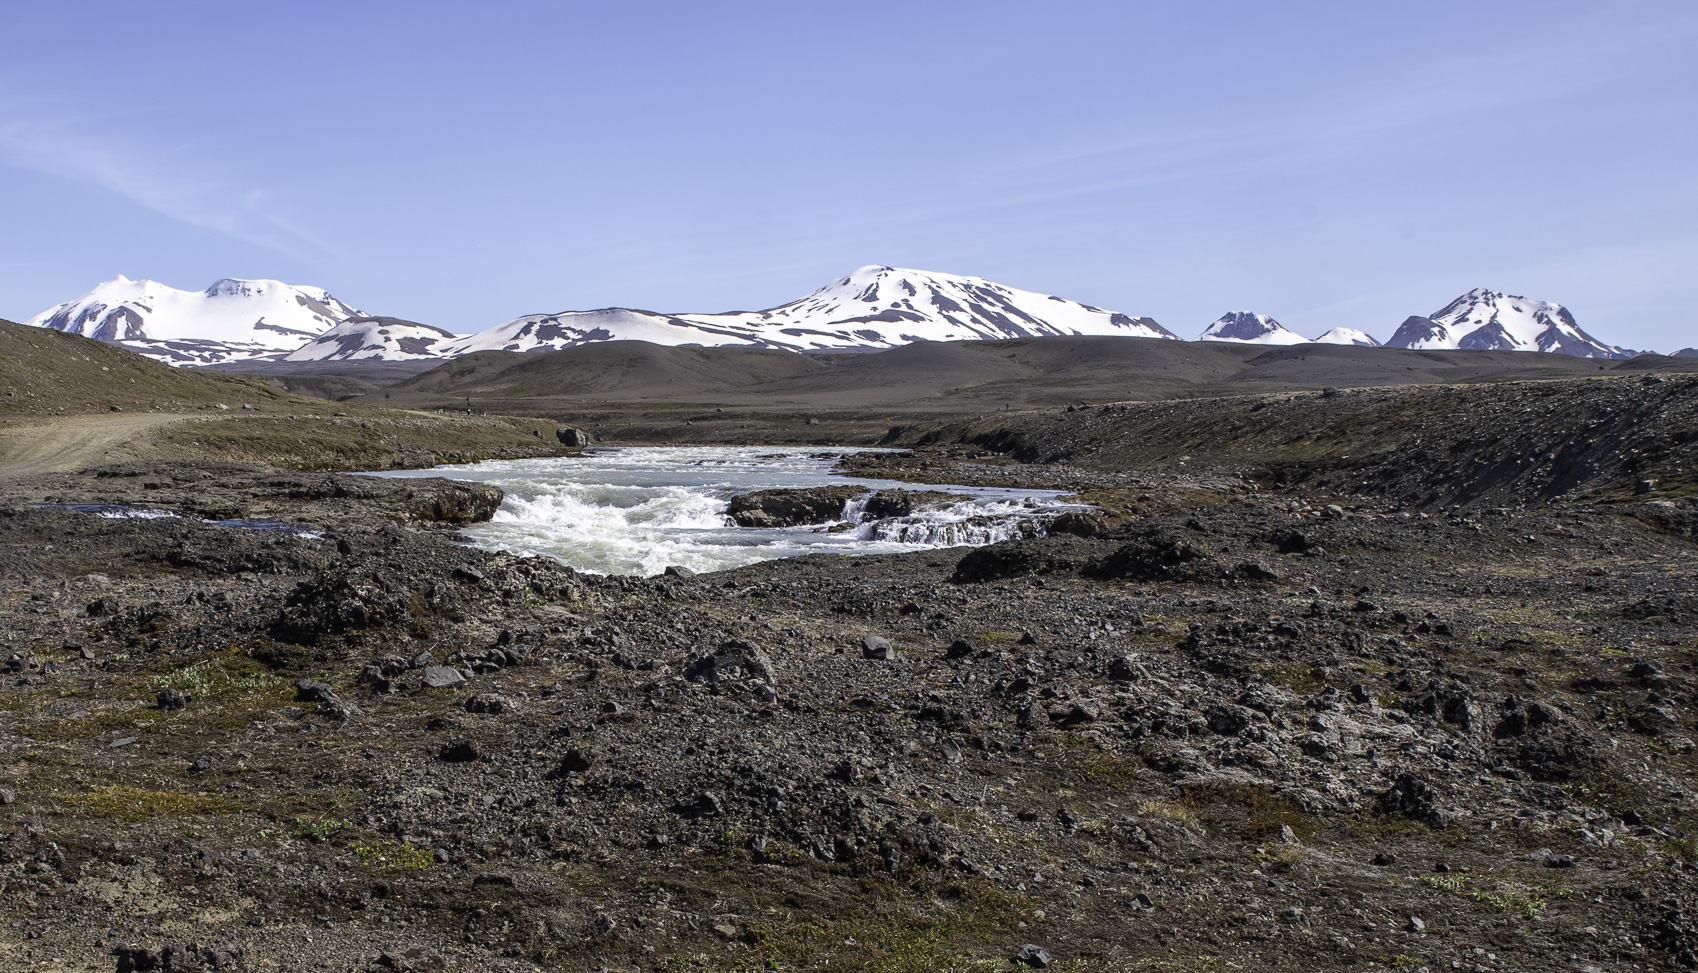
(793, 507)
(901, 503)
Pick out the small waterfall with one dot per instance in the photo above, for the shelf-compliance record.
(974, 531)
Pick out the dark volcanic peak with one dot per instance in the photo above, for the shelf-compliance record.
(1250, 327)
(1488, 320)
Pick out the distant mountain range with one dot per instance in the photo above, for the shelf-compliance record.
(871, 309)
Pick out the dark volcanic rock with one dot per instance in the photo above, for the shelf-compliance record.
(901, 503)
(1020, 559)
(791, 508)
(732, 660)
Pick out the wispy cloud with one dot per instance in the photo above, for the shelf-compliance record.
(178, 182)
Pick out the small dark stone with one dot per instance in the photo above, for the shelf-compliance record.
(491, 704)
(1125, 669)
(443, 677)
(208, 764)
(704, 805)
(678, 571)
(875, 647)
(1559, 861)
(1257, 571)
(459, 751)
(171, 700)
(1033, 956)
(958, 649)
(308, 691)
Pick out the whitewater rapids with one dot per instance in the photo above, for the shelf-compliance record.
(638, 509)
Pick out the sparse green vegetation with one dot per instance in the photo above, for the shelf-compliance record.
(394, 855)
(1511, 897)
(1249, 811)
(227, 675)
(320, 830)
(124, 803)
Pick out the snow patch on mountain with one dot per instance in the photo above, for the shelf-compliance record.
(874, 307)
(388, 339)
(231, 320)
(1488, 320)
(1347, 336)
(1250, 328)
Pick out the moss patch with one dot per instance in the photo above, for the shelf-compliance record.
(123, 803)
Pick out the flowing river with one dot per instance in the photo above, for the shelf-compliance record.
(638, 509)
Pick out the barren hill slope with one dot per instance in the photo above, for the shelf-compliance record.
(967, 376)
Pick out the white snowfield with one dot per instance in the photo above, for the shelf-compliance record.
(1247, 327)
(229, 321)
(388, 339)
(874, 307)
(1347, 336)
(1487, 320)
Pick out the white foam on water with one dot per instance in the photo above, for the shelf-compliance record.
(636, 510)
(137, 513)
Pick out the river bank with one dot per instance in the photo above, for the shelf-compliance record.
(1231, 722)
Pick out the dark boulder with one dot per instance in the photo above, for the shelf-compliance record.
(1078, 524)
(792, 507)
(1022, 559)
(733, 660)
(572, 436)
(901, 503)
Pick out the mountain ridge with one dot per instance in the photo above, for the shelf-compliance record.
(876, 307)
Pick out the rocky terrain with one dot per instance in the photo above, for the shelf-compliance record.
(1337, 680)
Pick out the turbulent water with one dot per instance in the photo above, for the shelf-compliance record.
(636, 510)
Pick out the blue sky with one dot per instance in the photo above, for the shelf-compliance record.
(461, 164)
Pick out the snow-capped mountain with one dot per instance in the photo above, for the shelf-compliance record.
(1347, 336)
(232, 320)
(1487, 320)
(390, 339)
(1686, 353)
(874, 307)
(1250, 328)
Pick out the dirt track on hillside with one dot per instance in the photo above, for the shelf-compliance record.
(76, 442)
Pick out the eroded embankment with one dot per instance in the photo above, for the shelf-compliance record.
(1512, 443)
